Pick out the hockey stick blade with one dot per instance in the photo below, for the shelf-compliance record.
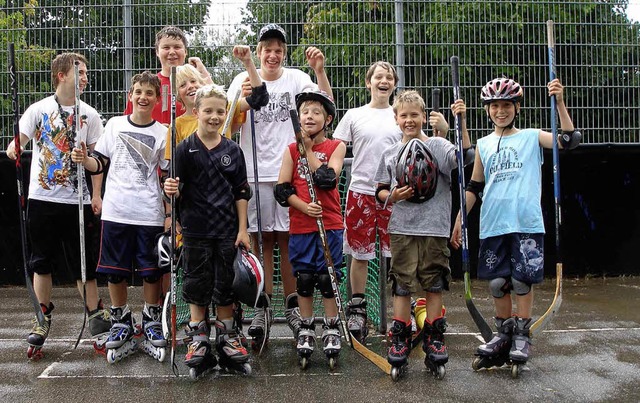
(545, 319)
(22, 202)
(478, 319)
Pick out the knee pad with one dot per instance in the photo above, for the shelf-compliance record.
(152, 279)
(325, 285)
(500, 286)
(397, 289)
(305, 284)
(519, 287)
(115, 278)
(437, 287)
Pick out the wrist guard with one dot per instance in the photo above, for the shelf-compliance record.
(259, 97)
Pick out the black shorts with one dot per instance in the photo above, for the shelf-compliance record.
(54, 233)
(208, 271)
(517, 255)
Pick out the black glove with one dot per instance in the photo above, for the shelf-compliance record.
(259, 97)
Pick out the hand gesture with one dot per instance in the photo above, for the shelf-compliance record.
(242, 53)
(315, 58)
(438, 122)
(78, 155)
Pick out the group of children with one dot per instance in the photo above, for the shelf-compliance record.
(399, 192)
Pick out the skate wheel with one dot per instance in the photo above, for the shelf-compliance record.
(111, 356)
(161, 354)
(440, 372)
(304, 362)
(515, 371)
(246, 369)
(475, 365)
(395, 373)
(193, 373)
(333, 363)
(34, 353)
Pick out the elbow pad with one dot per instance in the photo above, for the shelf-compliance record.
(259, 97)
(325, 177)
(282, 192)
(243, 192)
(570, 140)
(469, 156)
(476, 188)
(99, 160)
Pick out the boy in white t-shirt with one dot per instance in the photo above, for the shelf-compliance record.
(273, 133)
(133, 215)
(53, 199)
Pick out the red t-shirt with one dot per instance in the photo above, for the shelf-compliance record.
(162, 110)
(301, 223)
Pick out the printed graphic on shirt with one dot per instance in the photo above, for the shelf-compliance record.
(55, 145)
(140, 148)
(277, 110)
(504, 164)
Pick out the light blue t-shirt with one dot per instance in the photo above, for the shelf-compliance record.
(513, 183)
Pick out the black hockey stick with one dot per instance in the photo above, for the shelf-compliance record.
(80, 175)
(22, 197)
(542, 322)
(484, 328)
(254, 156)
(173, 268)
(353, 342)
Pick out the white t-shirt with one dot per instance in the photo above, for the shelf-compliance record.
(53, 175)
(273, 128)
(371, 130)
(132, 193)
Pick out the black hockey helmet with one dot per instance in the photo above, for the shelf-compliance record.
(162, 249)
(417, 168)
(319, 96)
(248, 281)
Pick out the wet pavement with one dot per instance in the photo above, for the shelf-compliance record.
(590, 352)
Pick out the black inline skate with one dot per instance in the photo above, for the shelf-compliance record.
(199, 357)
(154, 342)
(232, 355)
(495, 353)
(292, 314)
(357, 318)
(434, 347)
(306, 342)
(520, 345)
(99, 327)
(39, 333)
(122, 340)
(398, 354)
(260, 326)
(331, 340)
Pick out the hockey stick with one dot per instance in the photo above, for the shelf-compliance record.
(83, 258)
(477, 317)
(544, 320)
(22, 197)
(365, 352)
(232, 110)
(173, 268)
(254, 152)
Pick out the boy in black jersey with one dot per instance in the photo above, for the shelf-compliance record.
(211, 184)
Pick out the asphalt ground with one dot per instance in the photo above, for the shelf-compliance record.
(590, 352)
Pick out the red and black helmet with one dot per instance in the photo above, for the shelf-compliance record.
(248, 281)
(501, 89)
(417, 168)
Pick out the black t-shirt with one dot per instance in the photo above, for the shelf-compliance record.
(210, 181)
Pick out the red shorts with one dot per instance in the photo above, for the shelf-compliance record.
(364, 218)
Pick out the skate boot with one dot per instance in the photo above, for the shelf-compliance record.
(99, 326)
(398, 353)
(306, 341)
(357, 318)
(331, 340)
(39, 333)
(232, 355)
(520, 345)
(154, 342)
(238, 317)
(199, 357)
(121, 341)
(292, 314)
(434, 347)
(495, 353)
(261, 324)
